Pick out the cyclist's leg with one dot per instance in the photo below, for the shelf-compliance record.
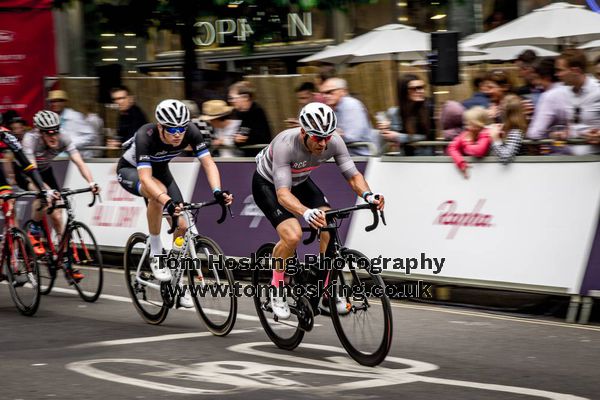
(175, 195)
(56, 217)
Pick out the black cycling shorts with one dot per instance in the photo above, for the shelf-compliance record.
(128, 177)
(49, 179)
(265, 198)
(22, 179)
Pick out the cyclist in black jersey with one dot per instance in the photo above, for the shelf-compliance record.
(144, 171)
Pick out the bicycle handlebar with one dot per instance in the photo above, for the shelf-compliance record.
(67, 192)
(197, 206)
(17, 195)
(343, 213)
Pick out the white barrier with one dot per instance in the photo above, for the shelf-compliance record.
(528, 225)
(120, 214)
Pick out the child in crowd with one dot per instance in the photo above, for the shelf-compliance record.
(508, 135)
(473, 141)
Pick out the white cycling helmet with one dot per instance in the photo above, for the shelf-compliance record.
(172, 113)
(318, 119)
(46, 120)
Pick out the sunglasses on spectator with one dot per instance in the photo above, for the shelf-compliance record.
(175, 130)
(417, 88)
(577, 115)
(119, 98)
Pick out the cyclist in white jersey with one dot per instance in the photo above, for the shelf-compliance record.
(282, 187)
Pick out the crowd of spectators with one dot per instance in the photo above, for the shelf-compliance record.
(558, 100)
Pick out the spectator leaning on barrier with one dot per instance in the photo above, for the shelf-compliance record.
(481, 85)
(474, 141)
(354, 124)
(411, 120)
(451, 118)
(72, 123)
(131, 117)
(582, 93)
(551, 106)
(499, 87)
(508, 136)
(216, 113)
(254, 128)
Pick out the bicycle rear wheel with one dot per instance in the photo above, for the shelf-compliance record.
(22, 272)
(85, 262)
(213, 287)
(143, 288)
(287, 334)
(366, 330)
(44, 258)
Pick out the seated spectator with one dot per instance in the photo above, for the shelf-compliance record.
(354, 124)
(474, 141)
(411, 120)
(216, 113)
(499, 87)
(254, 128)
(508, 136)
(481, 86)
(451, 119)
(551, 106)
(305, 93)
(582, 94)
(131, 117)
(72, 123)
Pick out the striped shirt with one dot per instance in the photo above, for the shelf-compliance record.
(286, 162)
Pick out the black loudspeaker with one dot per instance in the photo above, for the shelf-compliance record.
(109, 76)
(444, 60)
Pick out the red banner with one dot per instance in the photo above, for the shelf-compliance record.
(26, 56)
(26, 4)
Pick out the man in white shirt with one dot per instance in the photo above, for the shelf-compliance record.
(582, 94)
(72, 123)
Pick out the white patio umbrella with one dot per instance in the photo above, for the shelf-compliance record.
(555, 24)
(507, 53)
(388, 42)
(594, 44)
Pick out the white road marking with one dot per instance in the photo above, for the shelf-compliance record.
(123, 299)
(229, 377)
(149, 339)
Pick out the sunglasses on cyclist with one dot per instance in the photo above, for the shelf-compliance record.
(175, 130)
(317, 139)
(50, 132)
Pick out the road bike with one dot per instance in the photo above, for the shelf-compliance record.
(77, 252)
(364, 328)
(18, 261)
(202, 259)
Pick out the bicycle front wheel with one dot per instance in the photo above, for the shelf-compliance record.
(85, 262)
(22, 272)
(287, 334)
(212, 283)
(143, 287)
(365, 326)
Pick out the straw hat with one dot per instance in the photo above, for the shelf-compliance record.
(57, 95)
(214, 109)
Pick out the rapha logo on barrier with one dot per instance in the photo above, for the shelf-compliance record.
(251, 210)
(449, 216)
(6, 36)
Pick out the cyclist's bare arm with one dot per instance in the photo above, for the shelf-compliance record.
(211, 171)
(360, 186)
(81, 166)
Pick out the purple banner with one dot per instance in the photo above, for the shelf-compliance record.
(591, 279)
(249, 229)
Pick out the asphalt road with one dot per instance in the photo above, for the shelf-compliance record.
(75, 350)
